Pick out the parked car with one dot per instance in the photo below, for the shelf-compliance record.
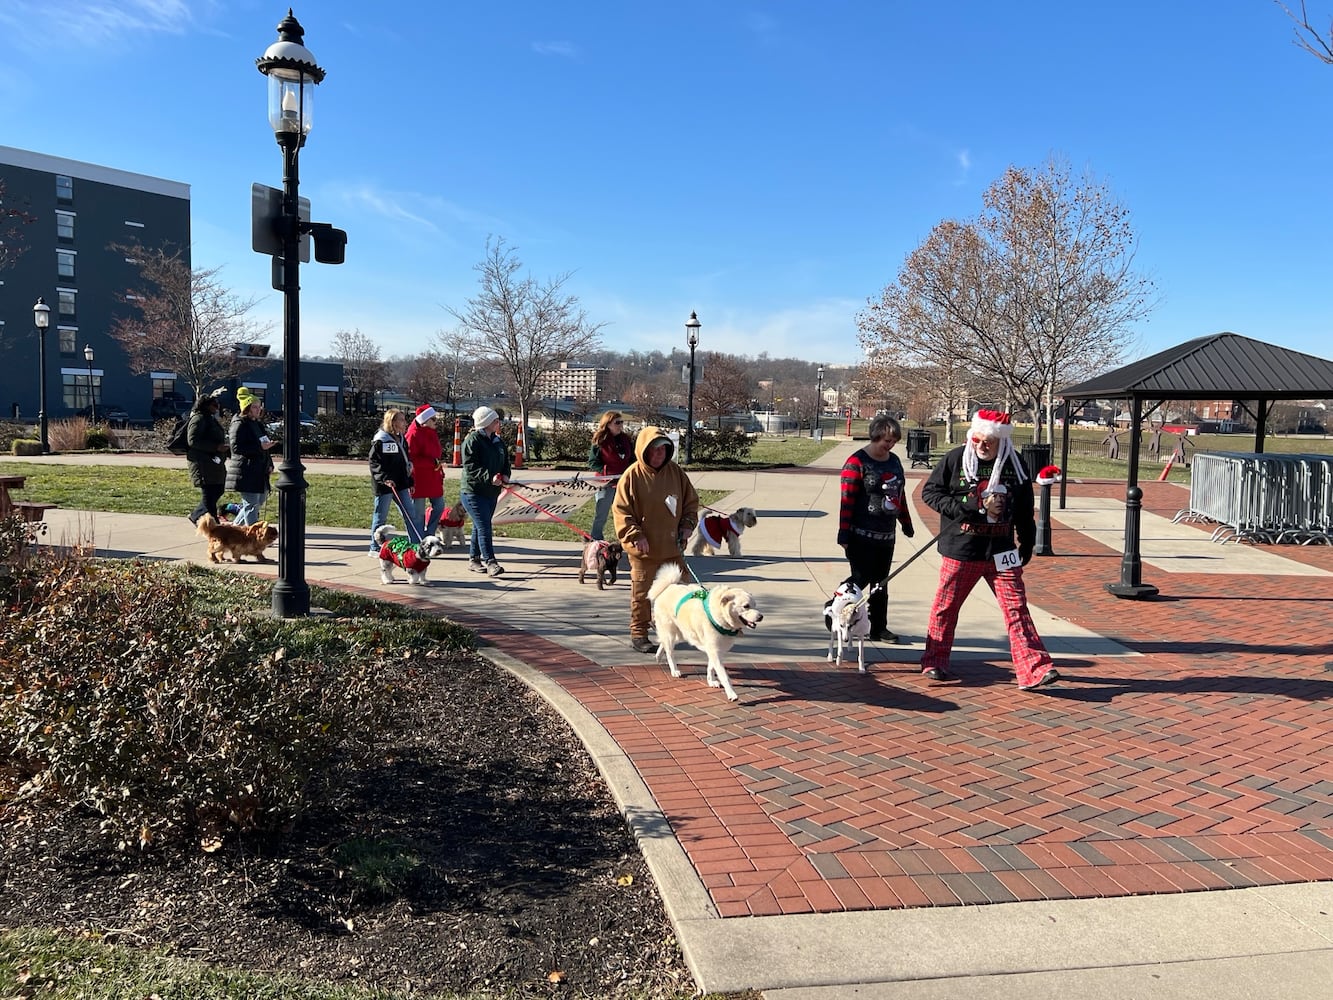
(110, 414)
(170, 406)
(275, 425)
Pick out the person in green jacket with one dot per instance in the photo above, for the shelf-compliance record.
(485, 471)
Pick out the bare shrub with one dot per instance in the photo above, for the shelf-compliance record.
(69, 434)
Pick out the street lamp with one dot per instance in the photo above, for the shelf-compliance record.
(819, 399)
(92, 402)
(692, 338)
(292, 75)
(41, 318)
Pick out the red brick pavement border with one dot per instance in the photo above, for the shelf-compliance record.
(1203, 763)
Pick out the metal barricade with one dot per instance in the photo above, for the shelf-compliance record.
(1263, 498)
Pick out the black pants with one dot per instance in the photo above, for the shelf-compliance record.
(870, 561)
(209, 495)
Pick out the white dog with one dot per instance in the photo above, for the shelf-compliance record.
(399, 550)
(847, 617)
(718, 530)
(708, 618)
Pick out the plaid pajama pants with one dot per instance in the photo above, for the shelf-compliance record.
(957, 578)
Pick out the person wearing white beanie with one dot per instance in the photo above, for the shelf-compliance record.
(486, 470)
(982, 494)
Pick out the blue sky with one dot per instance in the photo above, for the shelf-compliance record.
(768, 164)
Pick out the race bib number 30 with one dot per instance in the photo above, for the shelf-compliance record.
(1007, 560)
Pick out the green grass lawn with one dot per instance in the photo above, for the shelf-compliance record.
(331, 501)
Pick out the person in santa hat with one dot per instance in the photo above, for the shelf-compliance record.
(987, 530)
(426, 454)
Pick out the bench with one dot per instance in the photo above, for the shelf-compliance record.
(30, 510)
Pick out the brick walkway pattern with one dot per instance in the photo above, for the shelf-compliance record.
(1203, 763)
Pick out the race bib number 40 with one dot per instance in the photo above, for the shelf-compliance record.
(1007, 560)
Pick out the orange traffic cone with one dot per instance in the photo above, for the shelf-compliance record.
(458, 444)
(518, 449)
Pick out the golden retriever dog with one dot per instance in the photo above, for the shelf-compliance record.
(708, 618)
(718, 530)
(228, 539)
(452, 529)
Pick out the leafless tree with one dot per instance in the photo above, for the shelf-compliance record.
(364, 371)
(520, 325)
(1308, 37)
(12, 221)
(430, 378)
(1036, 292)
(724, 388)
(183, 320)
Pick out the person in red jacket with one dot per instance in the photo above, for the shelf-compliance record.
(426, 454)
(612, 452)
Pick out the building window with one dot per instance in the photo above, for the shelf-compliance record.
(69, 336)
(163, 384)
(67, 298)
(65, 226)
(75, 388)
(328, 401)
(64, 189)
(65, 264)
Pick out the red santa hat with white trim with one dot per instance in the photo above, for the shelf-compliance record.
(992, 424)
(425, 414)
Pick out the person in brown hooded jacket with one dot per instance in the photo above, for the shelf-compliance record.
(655, 510)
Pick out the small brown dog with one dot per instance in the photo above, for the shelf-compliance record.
(602, 558)
(227, 539)
(453, 521)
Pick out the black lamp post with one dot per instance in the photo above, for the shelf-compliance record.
(41, 318)
(819, 399)
(692, 338)
(292, 75)
(92, 400)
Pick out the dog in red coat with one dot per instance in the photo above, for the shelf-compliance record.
(401, 551)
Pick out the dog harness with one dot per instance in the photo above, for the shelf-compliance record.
(400, 551)
(716, 529)
(703, 596)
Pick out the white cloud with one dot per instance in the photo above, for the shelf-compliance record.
(93, 24)
(567, 50)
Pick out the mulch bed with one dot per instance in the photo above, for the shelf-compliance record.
(526, 874)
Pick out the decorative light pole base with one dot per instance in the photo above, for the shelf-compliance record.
(1132, 591)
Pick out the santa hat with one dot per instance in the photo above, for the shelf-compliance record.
(992, 424)
(1048, 475)
(425, 414)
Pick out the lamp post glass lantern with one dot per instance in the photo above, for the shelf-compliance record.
(292, 75)
(41, 318)
(92, 400)
(692, 338)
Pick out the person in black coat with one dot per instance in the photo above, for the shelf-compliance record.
(390, 472)
(207, 445)
(249, 467)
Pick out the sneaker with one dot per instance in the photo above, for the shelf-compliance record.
(476, 565)
(642, 644)
(936, 674)
(882, 635)
(493, 568)
(1050, 677)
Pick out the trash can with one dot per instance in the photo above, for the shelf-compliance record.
(819, 433)
(1036, 457)
(918, 447)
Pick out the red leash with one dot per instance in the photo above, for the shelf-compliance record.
(551, 514)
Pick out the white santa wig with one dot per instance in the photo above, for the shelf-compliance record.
(996, 424)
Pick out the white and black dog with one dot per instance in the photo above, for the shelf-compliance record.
(847, 617)
(399, 550)
(717, 531)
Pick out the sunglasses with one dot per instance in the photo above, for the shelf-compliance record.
(614, 422)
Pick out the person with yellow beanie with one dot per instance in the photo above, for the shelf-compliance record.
(249, 467)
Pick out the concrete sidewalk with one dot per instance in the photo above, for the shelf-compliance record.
(832, 835)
